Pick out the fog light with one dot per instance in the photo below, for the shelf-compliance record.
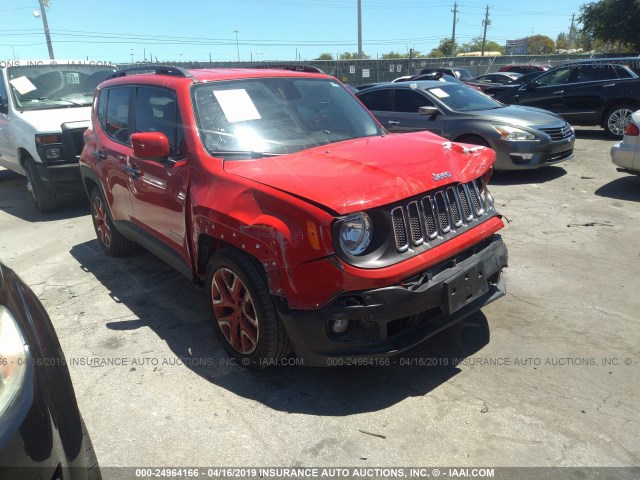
(53, 154)
(340, 325)
(524, 156)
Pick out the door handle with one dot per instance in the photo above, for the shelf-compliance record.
(393, 122)
(559, 92)
(133, 171)
(609, 85)
(98, 155)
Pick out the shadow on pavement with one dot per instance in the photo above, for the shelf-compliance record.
(167, 303)
(625, 188)
(16, 200)
(593, 134)
(522, 177)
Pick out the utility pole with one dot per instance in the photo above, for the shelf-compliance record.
(453, 34)
(571, 31)
(43, 12)
(360, 29)
(237, 45)
(486, 22)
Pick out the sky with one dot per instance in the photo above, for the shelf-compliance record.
(122, 31)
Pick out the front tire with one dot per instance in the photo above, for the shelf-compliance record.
(616, 120)
(43, 195)
(112, 242)
(244, 315)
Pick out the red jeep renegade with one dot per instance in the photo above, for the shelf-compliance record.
(311, 229)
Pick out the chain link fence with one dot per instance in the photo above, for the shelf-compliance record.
(360, 72)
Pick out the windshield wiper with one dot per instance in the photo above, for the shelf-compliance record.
(61, 100)
(244, 153)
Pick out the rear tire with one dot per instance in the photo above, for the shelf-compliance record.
(43, 195)
(245, 318)
(93, 469)
(616, 120)
(110, 239)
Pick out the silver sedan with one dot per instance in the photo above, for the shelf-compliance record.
(522, 137)
(625, 154)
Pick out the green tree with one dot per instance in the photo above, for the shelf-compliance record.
(394, 55)
(614, 21)
(352, 56)
(539, 45)
(475, 45)
(443, 49)
(562, 41)
(325, 56)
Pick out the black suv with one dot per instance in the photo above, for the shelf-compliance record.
(595, 93)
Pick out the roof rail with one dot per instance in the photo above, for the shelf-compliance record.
(156, 69)
(293, 68)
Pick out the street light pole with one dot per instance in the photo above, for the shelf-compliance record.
(43, 12)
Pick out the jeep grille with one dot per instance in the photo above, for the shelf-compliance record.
(441, 214)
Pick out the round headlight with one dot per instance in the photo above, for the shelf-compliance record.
(14, 357)
(355, 233)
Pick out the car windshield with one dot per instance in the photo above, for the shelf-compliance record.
(461, 98)
(275, 116)
(38, 87)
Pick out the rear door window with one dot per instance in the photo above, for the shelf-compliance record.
(116, 123)
(380, 100)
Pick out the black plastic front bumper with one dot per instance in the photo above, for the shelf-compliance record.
(63, 177)
(389, 320)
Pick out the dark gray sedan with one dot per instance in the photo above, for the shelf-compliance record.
(522, 137)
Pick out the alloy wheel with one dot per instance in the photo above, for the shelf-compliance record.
(235, 311)
(100, 221)
(618, 121)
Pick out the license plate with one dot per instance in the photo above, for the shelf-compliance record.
(465, 288)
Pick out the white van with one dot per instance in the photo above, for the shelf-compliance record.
(45, 108)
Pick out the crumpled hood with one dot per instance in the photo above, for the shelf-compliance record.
(368, 172)
(50, 120)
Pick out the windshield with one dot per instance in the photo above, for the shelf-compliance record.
(38, 87)
(277, 115)
(461, 98)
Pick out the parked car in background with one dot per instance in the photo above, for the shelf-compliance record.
(497, 77)
(633, 63)
(524, 69)
(461, 73)
(583, 93)
(441, 77)
(42, 434)
(626, 154)
(522, 137)
(45, 107)
(310, 228)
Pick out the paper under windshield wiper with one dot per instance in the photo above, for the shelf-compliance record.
(245, 153)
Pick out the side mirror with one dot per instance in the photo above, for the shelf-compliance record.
(151, 145)
(4, 106)
(428, 111)
(532, 85)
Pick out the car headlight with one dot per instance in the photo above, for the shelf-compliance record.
(513, 133)
(14, 360)
(355, 233)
